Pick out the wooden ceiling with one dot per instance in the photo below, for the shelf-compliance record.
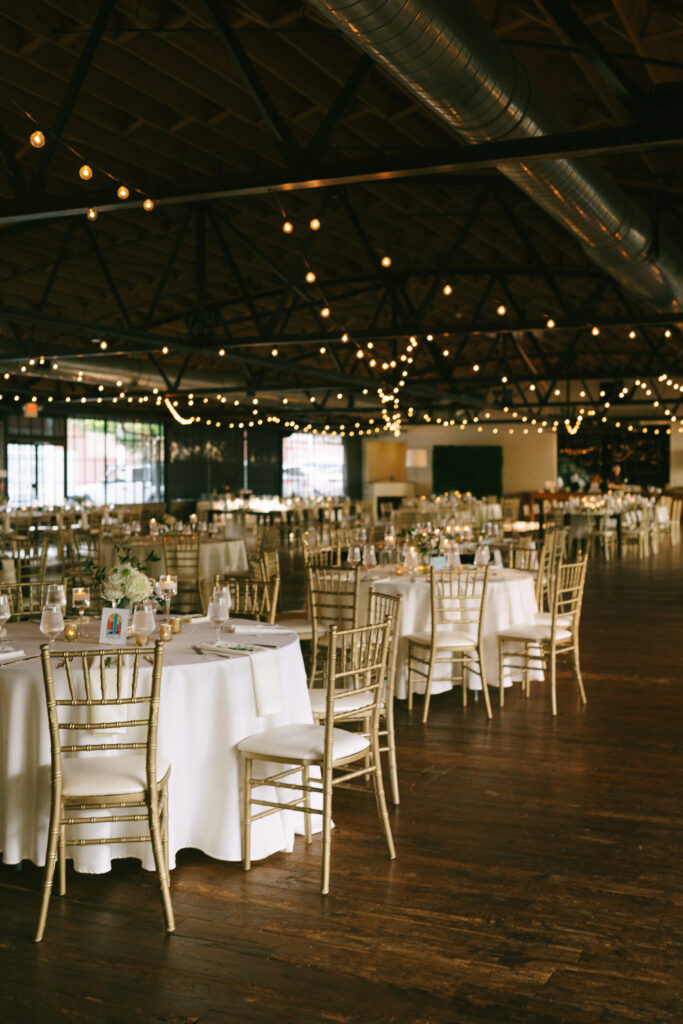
(224, 114)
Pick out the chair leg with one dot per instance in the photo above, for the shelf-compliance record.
(577, 672)
(410, 680)
(62, 861)
(484, 683)
(246, 811)
(501, 672)
(391, 745)
(428, 690)
(49, 872)
(381, 800)
(159, 859)
(553, 681)
(305, 779)
(327, 830)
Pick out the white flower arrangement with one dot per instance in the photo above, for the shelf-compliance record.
(124, 584)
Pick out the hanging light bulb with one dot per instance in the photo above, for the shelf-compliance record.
(345, 337)
(550, 323)
(287, 227)
(386, 261)
(103, 345)
(37, 139)
(447, 289)
(595, 331)
(148, 205)
(85, 172)
(273, 352)
(502, 310)
(92, 214)
(122, 192)
(325, 311)
(310, 277)
(314, 224)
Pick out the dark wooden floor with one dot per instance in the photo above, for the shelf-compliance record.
(538, 876)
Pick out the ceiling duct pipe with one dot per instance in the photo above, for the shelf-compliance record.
(445, 55)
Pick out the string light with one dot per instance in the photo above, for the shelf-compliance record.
(447, 289)
(85, 172)
(550, 323)
(176, 415)
(325, 311)
(148, 205)
(314, 224)
(310, 277)
(103, 344)
(502, 310)
(37, 139)
(386, 261)
(123, 192)
(287, 227)
(92, 214)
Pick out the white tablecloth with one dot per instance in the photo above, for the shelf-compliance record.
(207, 706)
(510, 599)
(215, 555)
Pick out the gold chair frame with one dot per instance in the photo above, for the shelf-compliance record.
(334, 596)
(357, 656)
(89, 689)
(458, 597)
(26, 600)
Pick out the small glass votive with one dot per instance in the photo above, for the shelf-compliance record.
(165, 631)
(71, 631)
(176, 624)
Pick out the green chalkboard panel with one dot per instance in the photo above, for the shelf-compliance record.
(478, 469)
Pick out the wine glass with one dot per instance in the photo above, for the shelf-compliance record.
(5, 610)
(54, 594)
(52, 622)
(369, 556)
(168, 586)
(143, 622)
(353, 556)
(218, 611)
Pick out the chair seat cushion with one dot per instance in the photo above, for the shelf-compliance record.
(302, 743)
(546, 618)
(444, 638)
(349, 700)
(105, 775)
(534, 631)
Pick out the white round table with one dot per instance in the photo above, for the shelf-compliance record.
(207, 705)
(510, 599)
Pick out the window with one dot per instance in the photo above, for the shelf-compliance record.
(35, 473)
(312, 466)
(115, 463)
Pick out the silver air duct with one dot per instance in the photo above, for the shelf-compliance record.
(444, 54)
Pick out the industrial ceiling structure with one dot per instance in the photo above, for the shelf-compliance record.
(344, 215)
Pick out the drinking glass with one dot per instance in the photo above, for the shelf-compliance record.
(353, 556)
(54, 594)
(5, 610)
(168, 587)
(143, 622)
(369, 556)
(52, 622)
(218, 612)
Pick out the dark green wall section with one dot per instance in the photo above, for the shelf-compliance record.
(353, 450)
(200, 460)
(475, 468)
(264, 473)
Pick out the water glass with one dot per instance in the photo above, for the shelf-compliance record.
(54, 594)
(369, 556)
(143, 622)
(52, 622)
(353, 556)
(218, 612)
(5, 610)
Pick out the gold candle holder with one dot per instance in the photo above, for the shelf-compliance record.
(176, 625)
(71, 631)
(165, 631)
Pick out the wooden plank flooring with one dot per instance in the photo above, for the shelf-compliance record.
(538, 878)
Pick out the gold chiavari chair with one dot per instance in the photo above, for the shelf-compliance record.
(29, 554)
(26, 600)
(538, 644)
(551, 554)
(454, 641)
(343, 757)
(381, 608)
(181, 555)
(334, 598)
(105, 720)
(249, 599)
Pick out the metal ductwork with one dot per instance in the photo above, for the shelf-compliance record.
(445, 55)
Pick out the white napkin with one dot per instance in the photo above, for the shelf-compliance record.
(10, 654)
(264, 675)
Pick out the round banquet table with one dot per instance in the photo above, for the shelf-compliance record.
(510, 599)
(208, 704)
(215, 554)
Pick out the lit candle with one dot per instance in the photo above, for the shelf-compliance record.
(168, 585)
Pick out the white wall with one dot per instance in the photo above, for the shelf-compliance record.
(676, 459)
(529, 460)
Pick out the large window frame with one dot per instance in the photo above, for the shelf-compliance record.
(115, 462)
(313, 466)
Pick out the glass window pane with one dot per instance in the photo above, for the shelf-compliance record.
(35, 474)
(312, 466)
(110, 462)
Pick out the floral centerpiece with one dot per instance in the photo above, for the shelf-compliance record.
(426, 541)
(126, 583)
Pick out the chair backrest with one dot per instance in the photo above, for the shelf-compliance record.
(567, 596)
(552, 553)
(251, 599)
(387, 608)
(26, 600)
(357, 660)
(182, 560)
(523, 558)
(29, 553)
(457, 598)
(322, 557)
(334, 594)
(102, 702)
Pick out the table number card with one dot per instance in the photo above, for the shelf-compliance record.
(114, 626)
